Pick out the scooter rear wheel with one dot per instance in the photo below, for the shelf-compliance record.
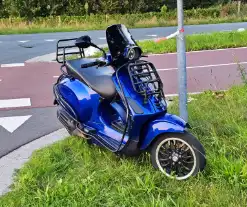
(178, 156)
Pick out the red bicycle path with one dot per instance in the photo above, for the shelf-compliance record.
(206, 70)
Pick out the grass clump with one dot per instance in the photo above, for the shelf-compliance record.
(71, 173)
(196, 42)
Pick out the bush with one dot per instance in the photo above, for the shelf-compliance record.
(163, 9)
(200, 13)
(37, 8)
(195, 3)
(57, 22)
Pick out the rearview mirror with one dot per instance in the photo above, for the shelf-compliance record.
(83, 42)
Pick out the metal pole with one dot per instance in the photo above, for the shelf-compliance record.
(239, 7)
(181, 61)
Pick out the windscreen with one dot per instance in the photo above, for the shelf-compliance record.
(118, 38)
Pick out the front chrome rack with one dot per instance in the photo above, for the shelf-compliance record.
(145, 79)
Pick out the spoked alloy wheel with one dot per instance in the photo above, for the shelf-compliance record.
(178, 155)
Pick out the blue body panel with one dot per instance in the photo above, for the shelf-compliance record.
(149, 109)
(147, 119)
(166, 123)
(77, 94)
(85, 102)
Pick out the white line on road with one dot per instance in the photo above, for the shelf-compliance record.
(200, 51)
(0, 41)
(0, 80)
(175, 94)
(102, 38)
(152, 35)
(14, 103)
(204, 66)
(23, 41)
(12, 65)
(55, 76)
(50, 40)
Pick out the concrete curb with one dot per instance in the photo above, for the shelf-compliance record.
(17, 158)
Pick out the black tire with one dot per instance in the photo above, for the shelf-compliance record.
(179, 151)
(89, 142)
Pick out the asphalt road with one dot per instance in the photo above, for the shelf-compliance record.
(31, 86)
(19, 48)
(42, 121)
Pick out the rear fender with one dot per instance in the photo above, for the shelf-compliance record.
(82, 99)
(167, 123)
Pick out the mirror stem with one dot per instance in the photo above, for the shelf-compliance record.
(93, 45)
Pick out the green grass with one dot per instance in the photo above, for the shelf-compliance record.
(217, 40)
(71, 173)
(196, 42)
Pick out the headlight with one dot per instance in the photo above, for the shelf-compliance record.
(133, 53)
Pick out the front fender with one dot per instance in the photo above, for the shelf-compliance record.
(167, 123)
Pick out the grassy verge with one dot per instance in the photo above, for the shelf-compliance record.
(71, 173)
(217, 40)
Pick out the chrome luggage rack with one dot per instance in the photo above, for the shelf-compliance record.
(63, 47)
(145, 79)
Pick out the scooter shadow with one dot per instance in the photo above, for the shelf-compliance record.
(142, 158)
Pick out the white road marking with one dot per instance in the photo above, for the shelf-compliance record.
(199, 51)
(0, 80)
(175, 94)
(204, 66)
(152, 35)
(12, 65)
(56, 76)
(102, 38)
(23, 41)
(50, 40)
(14, 122)
(0, 41)
(13, 103)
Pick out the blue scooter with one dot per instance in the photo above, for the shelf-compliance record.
(117, 101)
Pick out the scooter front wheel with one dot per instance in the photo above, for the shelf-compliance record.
(178, 156)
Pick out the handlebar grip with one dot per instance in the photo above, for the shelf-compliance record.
(99, 63)
(89, 65)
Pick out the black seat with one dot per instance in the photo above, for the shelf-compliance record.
(99, 79)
